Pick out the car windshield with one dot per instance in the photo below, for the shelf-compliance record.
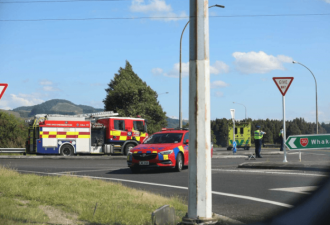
(164, 138)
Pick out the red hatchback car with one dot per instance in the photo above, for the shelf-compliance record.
(167, 148)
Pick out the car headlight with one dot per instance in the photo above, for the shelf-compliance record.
(168, 152)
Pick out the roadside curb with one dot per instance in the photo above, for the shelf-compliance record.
(223, 220)
(286, 166)
(247, 153)
(63, 157)
(229, 156)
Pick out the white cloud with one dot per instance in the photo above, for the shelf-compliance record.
(48, 85)
(218, 67)
(173, 117)
(219, 84)
(175, 71)
(154, 5)
(156, 8)
(218, 94)
(157, 71)
(45, 82)
(327, 1)
(49, 88)
(259, 62)
(12, 101)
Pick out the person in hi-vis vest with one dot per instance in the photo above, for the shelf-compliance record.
(282, 139)
(258, 134)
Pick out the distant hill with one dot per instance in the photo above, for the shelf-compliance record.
(61, 106)
(55, 106)
(16, 114)
(174, 123)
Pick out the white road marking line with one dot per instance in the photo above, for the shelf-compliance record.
(78, 171)
(177, 187)
(282, 172)
(300, 190)
(66, 172)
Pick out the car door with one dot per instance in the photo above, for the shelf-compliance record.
(186, 148)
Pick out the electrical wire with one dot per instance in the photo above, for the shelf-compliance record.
(155, 18)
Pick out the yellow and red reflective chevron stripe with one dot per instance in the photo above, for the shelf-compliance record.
(59, 134)
(122, 135)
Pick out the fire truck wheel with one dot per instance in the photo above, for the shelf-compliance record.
(179, 163)
(67, 150)
(128, 147)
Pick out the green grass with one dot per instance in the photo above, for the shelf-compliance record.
(116, 203)
(10, 154)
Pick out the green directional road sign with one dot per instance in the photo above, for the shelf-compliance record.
(313, 141)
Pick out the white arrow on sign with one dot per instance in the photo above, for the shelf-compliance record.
(291, 143)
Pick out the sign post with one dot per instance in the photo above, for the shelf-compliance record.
(283, 84)
(232, 112)
(3, 88)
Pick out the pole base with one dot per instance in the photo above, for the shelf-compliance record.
(199, 220)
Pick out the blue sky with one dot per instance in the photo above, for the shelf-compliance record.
(76, 59)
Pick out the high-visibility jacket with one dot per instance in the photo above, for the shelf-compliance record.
(280, 134)
(258, 134)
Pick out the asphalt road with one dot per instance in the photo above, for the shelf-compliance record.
(243, 195)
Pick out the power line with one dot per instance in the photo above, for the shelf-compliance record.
(182, 17)
(53, 1)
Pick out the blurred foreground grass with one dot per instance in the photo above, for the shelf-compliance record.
(24, 196)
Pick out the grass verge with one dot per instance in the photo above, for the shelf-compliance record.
(32, 199)
(10, 154)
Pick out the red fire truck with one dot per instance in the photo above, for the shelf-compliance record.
(93, 133)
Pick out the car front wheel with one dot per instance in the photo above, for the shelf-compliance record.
(179, 163)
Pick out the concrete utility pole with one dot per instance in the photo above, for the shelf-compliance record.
(180, 69)
(200, 179)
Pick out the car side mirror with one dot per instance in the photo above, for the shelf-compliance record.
(187, 141)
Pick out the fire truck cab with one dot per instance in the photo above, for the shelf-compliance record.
(94, 133)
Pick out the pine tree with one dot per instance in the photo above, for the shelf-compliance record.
(129, 96)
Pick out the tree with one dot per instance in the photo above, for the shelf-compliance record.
(13, 131)
(129, 96)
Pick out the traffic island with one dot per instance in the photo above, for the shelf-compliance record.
(306, 166)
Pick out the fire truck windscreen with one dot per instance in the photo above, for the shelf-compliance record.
(138, 125)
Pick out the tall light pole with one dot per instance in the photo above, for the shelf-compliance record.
(180, 70)
(317, 115)
(244, 107)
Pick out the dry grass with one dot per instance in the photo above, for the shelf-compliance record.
(77, 197)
